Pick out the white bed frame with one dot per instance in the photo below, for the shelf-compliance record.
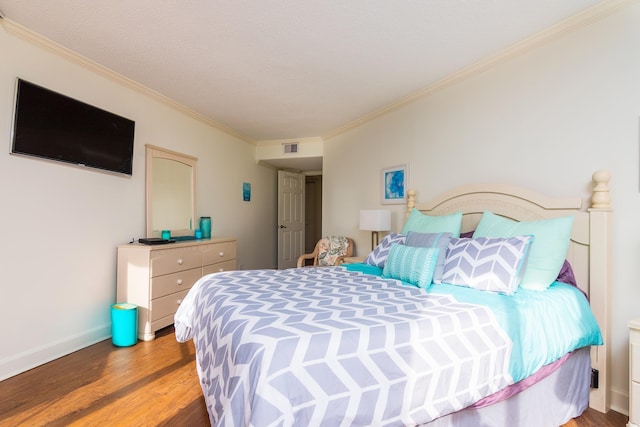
(589, 250)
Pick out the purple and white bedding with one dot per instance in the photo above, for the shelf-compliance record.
(328, 346)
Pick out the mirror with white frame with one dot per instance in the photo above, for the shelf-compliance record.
(171, 192)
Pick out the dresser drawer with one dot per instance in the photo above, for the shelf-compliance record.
(221, 266)
(174, 282)
(170, 261)
(167, 305)
(218, 252)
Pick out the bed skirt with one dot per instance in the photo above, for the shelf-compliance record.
(553, 401)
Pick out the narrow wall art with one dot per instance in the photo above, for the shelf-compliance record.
(246, 191)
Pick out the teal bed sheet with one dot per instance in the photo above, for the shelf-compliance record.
(543, 325)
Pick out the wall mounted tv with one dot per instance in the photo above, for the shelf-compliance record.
(53, 126)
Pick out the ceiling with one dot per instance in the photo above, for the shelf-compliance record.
(286, 69)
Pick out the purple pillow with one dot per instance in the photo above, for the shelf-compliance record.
(566, 275)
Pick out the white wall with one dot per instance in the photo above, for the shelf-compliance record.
(545, 119)
(61, 224)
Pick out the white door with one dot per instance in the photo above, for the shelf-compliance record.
(290, 218)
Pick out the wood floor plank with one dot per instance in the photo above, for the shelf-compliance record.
(149, 384)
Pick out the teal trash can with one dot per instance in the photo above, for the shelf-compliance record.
(124, 324)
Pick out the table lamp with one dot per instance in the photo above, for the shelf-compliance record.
(375, 221)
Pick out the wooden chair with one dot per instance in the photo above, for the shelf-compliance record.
(329, 251)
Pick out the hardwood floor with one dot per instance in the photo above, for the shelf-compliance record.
(150, 384)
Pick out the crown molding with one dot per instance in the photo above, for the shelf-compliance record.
(59, 50)
(588, 16)
(580, 20)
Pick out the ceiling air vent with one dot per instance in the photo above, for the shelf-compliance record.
(290, 148)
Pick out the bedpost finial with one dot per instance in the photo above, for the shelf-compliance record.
(601, 198)
(411, 200)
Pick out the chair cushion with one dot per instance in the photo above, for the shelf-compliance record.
(330, 248)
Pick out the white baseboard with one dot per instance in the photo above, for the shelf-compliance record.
(30, 359)
(619, 401)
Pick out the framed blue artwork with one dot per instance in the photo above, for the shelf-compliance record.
(394, 185)
(246, 191)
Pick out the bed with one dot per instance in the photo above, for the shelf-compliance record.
(382, 344)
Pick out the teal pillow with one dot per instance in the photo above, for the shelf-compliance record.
(411, 264)
(422, 223)
(548, 249)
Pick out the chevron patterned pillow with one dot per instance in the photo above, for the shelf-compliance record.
(548, 252)
(379, 255)
(486, 263)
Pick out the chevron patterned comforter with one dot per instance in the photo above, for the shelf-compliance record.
(327, 346)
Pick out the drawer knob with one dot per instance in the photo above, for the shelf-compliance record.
(179, 281)
(180, 261)
(179, 301)
(222, 269)
(221, 254)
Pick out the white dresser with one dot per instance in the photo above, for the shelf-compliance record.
(634, 372)
(157, 277)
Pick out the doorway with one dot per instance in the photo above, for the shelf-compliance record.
(299, 216)
(313, 209)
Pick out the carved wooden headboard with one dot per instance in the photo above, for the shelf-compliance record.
(589, 250)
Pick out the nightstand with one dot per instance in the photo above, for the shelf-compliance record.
(357, 259)
(634, 372)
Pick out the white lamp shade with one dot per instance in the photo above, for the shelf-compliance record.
(375, 220)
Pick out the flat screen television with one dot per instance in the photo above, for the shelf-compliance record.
(56, 127)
